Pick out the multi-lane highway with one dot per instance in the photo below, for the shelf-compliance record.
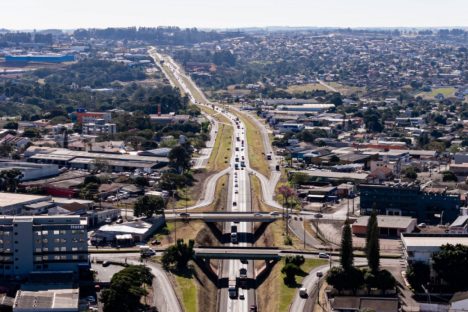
(239, 197)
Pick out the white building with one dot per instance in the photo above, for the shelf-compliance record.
(29, 170)
(39, 243)
(420, 247)
(99, 127)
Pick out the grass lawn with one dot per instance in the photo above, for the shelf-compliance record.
(187, 291)
(306, 87)
(286, 293)
(221, 153)
(446, 92)
(257, 157)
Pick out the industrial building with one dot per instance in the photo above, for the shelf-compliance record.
(82, 116)
(421, 247)
(29, 170)
(424, 204)
(88, 160)
(43, 243)
(36, 58)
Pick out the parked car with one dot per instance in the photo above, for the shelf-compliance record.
(303, 292)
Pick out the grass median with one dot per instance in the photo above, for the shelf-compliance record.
(221, 153)
(257, 157)
(187, 290)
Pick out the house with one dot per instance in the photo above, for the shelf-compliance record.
(460, 225)
(380, 175)
(18, 142)
(389, 226)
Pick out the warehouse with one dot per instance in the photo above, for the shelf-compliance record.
(389, 226)
(30, 171)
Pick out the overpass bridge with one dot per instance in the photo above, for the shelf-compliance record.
(241, 253)
(225, 216)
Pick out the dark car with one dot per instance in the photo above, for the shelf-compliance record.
(253, 308)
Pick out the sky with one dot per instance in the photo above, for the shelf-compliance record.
(67, 14)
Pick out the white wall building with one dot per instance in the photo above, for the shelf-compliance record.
(421, 247)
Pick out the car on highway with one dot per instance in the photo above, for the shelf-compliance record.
(236, 185)
(234, 203)
(236, 192)
(243, 273)
(106, 263)
(303, 292)
(324, 255)
(257, 214)
(241, 296)
(244, 261)
(318, 215)
(319, 274)
(184, 214)
(253, 308)
(274, 213)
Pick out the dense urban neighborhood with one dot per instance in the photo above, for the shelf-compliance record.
(170, 169)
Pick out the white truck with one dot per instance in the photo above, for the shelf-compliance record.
(232, 288)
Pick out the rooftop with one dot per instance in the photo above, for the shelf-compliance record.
(12, 199)
(433, 240)
(50, 299)
(396, 222)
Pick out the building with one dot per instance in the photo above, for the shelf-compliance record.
(82, 116)
(17, 141)
(43, 243)
(88, 160)
(421, 247)
(47, 296)
(351, 304)
(389, 226)
(36, 58)
(333, 177)
(30, 171)
(13, 203)
(410, 200)
(171, 118)
(305, 108)
(139, 230)
(100, 127)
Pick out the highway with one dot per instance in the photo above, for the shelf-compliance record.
(228, 216)
(239, 197)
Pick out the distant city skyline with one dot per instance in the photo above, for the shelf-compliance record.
(63, 14)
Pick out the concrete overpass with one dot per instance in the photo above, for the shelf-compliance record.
(241, 253)
(225, 216)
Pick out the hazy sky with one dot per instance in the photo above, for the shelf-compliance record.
(40, 14)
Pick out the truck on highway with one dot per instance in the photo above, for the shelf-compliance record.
(232, 288)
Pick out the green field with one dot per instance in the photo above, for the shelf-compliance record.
(446, 92)
(187, 290)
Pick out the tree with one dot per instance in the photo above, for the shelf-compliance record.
(290, 270)
(91, 179)
(385, 281)
(451, 264)
(410, 173)
(180, 158)
(141, 181)
(340, 279)
(373, 244)
(370, 223)
(89, 191)
(10, 179)
(12, 125)
(296, 260)
(418, 273)
(448, 176)
(178, 255)
(125, 290)
(334, 159)
(346, 252)
(149, 205)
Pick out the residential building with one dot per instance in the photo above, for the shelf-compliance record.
(100, 127)
(82, 116)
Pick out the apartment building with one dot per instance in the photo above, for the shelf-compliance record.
(42, 243)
